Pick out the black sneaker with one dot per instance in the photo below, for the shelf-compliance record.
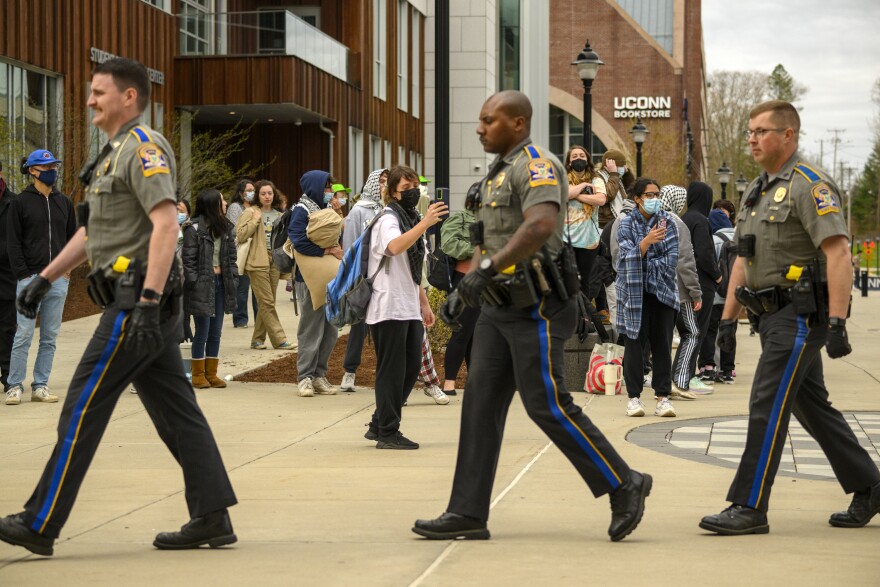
(864, 506)
(628, 505)
(371, 433)
(396, 442)
(451, 526)
(451, 392)
(736, 520)
(726, 377)
(214, 529)
(707, 375)
(14, 531)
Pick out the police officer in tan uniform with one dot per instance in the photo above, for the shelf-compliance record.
(527, 316)
(794, 274)
(129, 238)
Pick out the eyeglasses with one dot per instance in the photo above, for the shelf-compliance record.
(760, 132)
(650, 195)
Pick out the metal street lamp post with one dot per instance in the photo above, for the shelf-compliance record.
(741, 184)
(639, 133)
(588, 63)
(724, 174)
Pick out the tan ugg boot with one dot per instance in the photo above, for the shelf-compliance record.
(198, 374)
(211, 364)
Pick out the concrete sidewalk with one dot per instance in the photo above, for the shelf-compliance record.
(319, 505)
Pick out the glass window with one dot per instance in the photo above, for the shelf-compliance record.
(160, 4)
(402, 54)
(375, 152)
(356, 175)
(566, 130)
(416, 62)
(387, 156)
(508, 44)
(272, 32)
(380, 30)
(194, 30)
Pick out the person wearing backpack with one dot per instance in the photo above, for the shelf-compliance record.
(210, 283)
(725, 252)
(315, 336)
(364, 210)
(398, 310)
(255, 225)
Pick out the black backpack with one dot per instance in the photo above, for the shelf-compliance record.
(726, 258)
(440, 269)
(280, 259)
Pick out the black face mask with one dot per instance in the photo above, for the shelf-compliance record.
(409, 198)
(579, 165)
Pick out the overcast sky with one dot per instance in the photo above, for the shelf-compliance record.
(832, 47)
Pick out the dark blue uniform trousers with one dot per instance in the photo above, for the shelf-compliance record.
(523, 350)
(788, 380)
(105, 370)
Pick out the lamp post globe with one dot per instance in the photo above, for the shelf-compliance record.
(741, 184)
(639, 134)
(724, 174)
(587, 63)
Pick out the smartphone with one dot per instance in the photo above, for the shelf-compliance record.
(662, 223)
(588, 189)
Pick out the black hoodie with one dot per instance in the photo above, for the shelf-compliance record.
(7, 277)
(699, 202)
(37, 229)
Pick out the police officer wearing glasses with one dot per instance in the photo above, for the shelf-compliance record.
(794, 276)
(526, 282)
(131, 223)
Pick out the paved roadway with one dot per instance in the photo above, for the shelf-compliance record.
(320, 506)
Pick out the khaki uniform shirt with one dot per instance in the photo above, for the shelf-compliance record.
(529, 175)
(798, 208)
(135, 172)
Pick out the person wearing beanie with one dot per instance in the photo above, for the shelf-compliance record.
(722, 231)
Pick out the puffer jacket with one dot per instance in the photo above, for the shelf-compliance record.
(198, 268)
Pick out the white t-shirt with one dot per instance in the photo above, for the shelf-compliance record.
(395, 294)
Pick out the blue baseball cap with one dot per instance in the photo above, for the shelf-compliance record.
(41, 157)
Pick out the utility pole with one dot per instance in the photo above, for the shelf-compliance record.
(822, 153)
(835, 141)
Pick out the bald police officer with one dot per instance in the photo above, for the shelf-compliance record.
(794, 274)
(519, 338)
(132, 222)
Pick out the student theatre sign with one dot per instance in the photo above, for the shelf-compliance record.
(642, 106)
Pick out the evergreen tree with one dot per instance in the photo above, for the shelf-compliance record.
(781, 86)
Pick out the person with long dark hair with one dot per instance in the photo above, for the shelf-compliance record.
(242, 199)
(210, 282)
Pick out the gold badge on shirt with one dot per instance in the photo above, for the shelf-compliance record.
(499, 179)
(779, 195)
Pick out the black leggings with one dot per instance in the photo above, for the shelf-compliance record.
(585, 259)
(458, 349)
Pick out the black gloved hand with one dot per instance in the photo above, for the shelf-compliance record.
(29, 299)
(727, 335)
(837, 344)
(471, 287)
(142, 332)
(450, 310)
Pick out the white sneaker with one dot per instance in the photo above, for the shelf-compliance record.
(306, 389)
(700, 387)
(435, 393)
(679, 393)
(41, 394)
(347, 382)
(323, 387)
(664, 408)
(634, 408)
(13, 395)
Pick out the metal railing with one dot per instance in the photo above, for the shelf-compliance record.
(261, 32)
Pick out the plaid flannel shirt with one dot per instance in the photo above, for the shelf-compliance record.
(654, 273)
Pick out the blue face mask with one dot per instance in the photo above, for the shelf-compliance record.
(651, 206)
(342, 201)
(327, 198)
(181, 218)
(621, 170)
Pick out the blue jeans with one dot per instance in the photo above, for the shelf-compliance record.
(50, 311)
(206, 340)
(240, 315)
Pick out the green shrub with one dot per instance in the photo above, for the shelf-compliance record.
(439, 334)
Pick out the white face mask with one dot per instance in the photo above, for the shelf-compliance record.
(249, 196)
(342, 201)
(621, 170)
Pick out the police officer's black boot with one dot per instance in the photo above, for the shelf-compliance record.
(628, 505)
(14, 531)
(214, 529)
(450, 526)
(864, 506)
(736, 520)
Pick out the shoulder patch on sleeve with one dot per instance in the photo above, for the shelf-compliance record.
(541, 172)
(824, 198)
(153, 160)
(810, 174)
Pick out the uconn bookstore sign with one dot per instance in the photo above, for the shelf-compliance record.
(642, 106)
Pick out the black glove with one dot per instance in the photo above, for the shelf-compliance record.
(29, 299)
(142, 332)
(727, 335)
(472, 286)
(837, 344)
(450, 310)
